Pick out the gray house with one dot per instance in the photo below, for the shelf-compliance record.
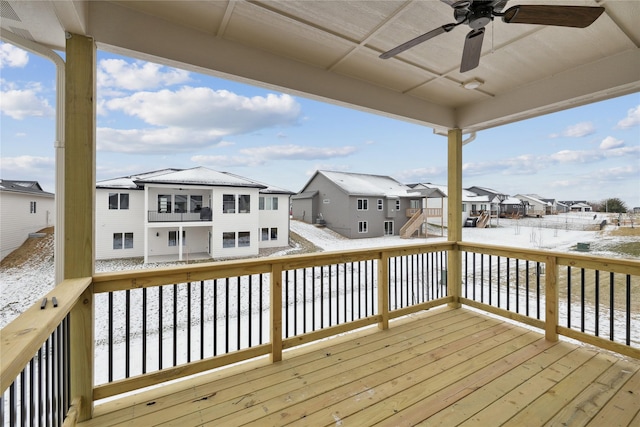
(357, 205)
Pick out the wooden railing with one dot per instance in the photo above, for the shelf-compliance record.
(179, 321)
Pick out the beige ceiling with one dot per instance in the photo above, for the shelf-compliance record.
(328, 50)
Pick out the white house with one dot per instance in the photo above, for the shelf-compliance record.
(24, 208)
(471, 202)
(175, 214)
(533, 205)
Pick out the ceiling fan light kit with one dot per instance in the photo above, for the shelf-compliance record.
(478, 13)
(472, 84)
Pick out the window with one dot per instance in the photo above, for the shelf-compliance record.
(363, 204)
(228, 239)
(164, 203)
(173, 238)
(398, 205)
(415, 204)
(181, 203)
(464, 207)
(268, 203)
(388, 228)
(195, 203)
(118, 200)
(264, 235)
(379, 204)
(244, 203)
(122, 240)
(363, 226)
(483, 207)
(32, 207)
(274, 234)
(229, 203)
(244, 239)
(117, 240)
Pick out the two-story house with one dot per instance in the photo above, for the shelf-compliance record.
(358, 205)
(175, 214)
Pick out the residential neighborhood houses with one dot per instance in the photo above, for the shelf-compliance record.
(24, 208)
(177, 215)
(199, 213)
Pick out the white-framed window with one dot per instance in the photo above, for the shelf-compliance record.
(173, 238)
(380, 205)
(398, 205)
(244, 203)
(363, 226)
(32, 207)
(228, 203)
(181, 201)
(388, 228)
(268, 234)
(363, 204)
(483, 207)
(268, 203)
(195, 203)
(244, 239)
(164, 203)
(118, 200)
(228, 239)
(464, 207)
(122, 240)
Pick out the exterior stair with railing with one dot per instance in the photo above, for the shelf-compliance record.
(414, 224)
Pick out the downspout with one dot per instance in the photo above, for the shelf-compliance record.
(469, 139)
(59, 63)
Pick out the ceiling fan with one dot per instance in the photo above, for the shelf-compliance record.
(478, 13)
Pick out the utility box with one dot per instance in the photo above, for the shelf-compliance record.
(583, 247)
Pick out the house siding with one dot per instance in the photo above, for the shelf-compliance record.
(275, 219)
(110, 221)
(17, 221)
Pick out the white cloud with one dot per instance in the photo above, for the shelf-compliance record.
(297, 152)
(165, 140)
(632, 119)
(611, 142)
(138, 75)
(11, 56)
(260, 155)
(576, 131)
(24, 164)
(20, 103)
(420, 174)
(327, 167)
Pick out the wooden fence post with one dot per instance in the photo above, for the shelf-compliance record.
(383, 291)
(275, 292)
(551, 299)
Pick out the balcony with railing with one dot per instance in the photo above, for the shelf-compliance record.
(426, 361)
(200, 216)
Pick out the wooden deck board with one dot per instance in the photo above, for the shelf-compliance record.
(443, 367)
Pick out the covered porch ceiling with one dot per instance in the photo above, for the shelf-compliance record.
(329, 51)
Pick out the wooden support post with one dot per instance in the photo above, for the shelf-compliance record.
(551, 318)
(383, 291)
(454, 215)
(276, 313)
(79, 185)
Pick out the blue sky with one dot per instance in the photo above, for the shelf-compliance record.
(152, 117)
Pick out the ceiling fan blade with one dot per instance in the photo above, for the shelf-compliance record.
(413, 42)
(562, 16)
(472, 50)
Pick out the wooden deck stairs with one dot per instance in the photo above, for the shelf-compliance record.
(414, 224)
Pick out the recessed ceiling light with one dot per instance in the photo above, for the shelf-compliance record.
(472, 84)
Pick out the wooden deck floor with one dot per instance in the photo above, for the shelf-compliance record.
(444, 367)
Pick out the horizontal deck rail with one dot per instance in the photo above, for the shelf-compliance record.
(152, 326)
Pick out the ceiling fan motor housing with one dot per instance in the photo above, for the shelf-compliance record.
(479, 17)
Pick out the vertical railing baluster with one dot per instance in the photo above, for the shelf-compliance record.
(286, 303)
(490, 282)
(261, 293)
(508, 284)
(582, 297)
(238, 312)
(215, 317)
(597, 303)
(538, 290)
(313, 296)
(628, 308)
(611, 306)
(226, 315)
(23, 395)
(568, 296)
(498, 279)
(321, 297)
(127, 333)
(295, 302)
(110, 337)
(144, 330)
(188, 325)
(175, 324)
(517, 261)
(160, 326)
(202, 317)
(526, 287)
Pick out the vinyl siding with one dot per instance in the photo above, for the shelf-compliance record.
(17, 222)
(109, 221)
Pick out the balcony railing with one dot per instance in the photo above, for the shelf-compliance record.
(155, 216)
(154, 326)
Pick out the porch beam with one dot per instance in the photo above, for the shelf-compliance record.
(454, 215)
(79, 202)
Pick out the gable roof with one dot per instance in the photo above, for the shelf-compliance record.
(360, 184)
(27, 187)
